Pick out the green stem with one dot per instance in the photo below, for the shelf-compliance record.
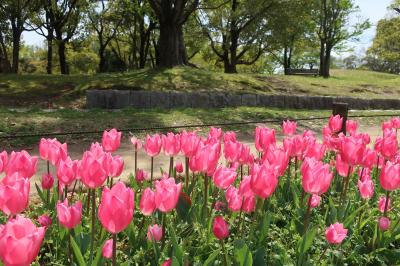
(308, 212)
(69, 248)
(386, 203)
(205, 193)
(151, 171)
(114, 250)
(345, 186)
(224, 251)
(93, 224)
(187, 173)
(135, 159)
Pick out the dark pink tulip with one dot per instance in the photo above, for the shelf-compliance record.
(223, 177)
(316, 176)
(20, 241)
(44, 220)
(137, 143)
(171, 144)
(147, 202)
(179, 167)
(366, 188)
(66, 171)
(47, 181)
(335, 233)
(152, 145)
(91, 169)
(116, 207)
(113, 165)
(369, 159)
(289, 127)
(219, 206)
(263, 180)
(14, 194)
(335, 123)
(390, 176)
(52, 150)
(389, 144)
(387, 125)
(154, 233)
(167, 262)
(167, 194)
(396, 122)
(278, 158)
(234, 199)
(249, 204)
(215, 133)
(264, 138)
(141, 175)
(22, 163)
(69, 216)
(315, 201)
(106, 251)
(220, 228)
(3, 161)
(111, 140)
(232, 151)
(342, 167)
(230, 136)
(384, 223)
(352, 150)
(351, 126)
(382, 203)
(189, 143)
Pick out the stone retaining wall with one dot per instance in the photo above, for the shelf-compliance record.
(116, 99)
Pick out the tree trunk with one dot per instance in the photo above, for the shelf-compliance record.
(327, 63)
(322, 58)
(102, 62)
(63, 60)
(49, 67)
(15, 50)
(285, 60)
(171, 46)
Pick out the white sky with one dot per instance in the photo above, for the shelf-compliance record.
(374, 10)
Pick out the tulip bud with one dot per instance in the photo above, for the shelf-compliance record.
(335, 233)
(384, 223)
(220, 228)
(154, 233)
(44, 220)
(47, 181)
(179, 167)
(106, 251)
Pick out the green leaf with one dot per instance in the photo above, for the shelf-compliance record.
(263, 228)
(242, 253)
(178, 252)
(183, 207)
(77, 253)
(98, 257)
(305, 243)
(259, 257)
(175, 262)
(349, 219)
(41, 195)
(210, 260)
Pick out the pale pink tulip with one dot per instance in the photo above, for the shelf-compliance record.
(111, 140)
(335, 233)
(52, 150)
(152, 145)
(66, 171)
(147, 202)
(223, 177)
(154, 233)
(69, 216)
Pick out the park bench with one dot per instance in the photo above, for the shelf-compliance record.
(301, 71)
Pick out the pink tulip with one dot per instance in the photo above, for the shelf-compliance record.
(220, 228)
(316, 176)
(14, 194)
(390, 176)
(206, 158)
(107, 249)
(387, 125)
(249, 204)
(316, 151)
(342, 167)
(382, 203)
(147, 202)
(96, 149)
(52, 150)
(44, 220)
(264, 138)
(137, 143)
(3, 161)
(244, 155)
(294, 145)
(167, 262)
(289, 128)
(111, 140)
(384, 223)
(179, 167)
(351, 127)
(66, 171)
(116, 207)
(91, 169)
(278, 158)
(223, 177)
(352, 150)
(335, 123)
(369, 158)
(335, 233)
(171, 144)
(189, 143)
(396, 122)
(47, 181)
(215, 133)
(389, 144)
(234, 199)
(113, 165)
(20, 241)
(245, 187)
(154, 233)
(366, 188)
(167, 194)
(22, 163)
(69, 216)
(315, 201)
(152, 146)
(263, 181)
(141, 175)
(232, 151)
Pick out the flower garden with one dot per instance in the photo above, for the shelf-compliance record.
(299, 201)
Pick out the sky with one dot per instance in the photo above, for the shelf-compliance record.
(374, 10)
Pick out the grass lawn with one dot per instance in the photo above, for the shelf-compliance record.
(36, 121)
(43, 90)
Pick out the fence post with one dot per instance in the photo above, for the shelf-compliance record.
(341, 109)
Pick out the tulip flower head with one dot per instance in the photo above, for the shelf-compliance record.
(390, 176)
(384, 223)
(106, 251)
(220, 228)
(67, 171)
(179, 167)
(20, 241)
(154, 233)
(116, 207)
(263, 180)
(141, 175)
(366, 188)
(335, 123)
(382, 204)
(171, 144)
(315, 201)
(351, 126)
(152, 145)
(167, 194)
(22, 163)
(44, 220)
(69, 216)
(147, 202)
(316, 176)
(52, 150)
(92, 169)
(289, 127)
(223, 177)
(47, 181)
(14, 194)
(111, 140)
(335, 233)
(137, 143)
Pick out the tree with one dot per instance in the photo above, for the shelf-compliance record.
(5, 41)
(235, 29)
(172, 15)
(384, 54)
(17, 12)
(332, 18)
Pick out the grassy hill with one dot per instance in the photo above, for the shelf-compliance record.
(70, 90)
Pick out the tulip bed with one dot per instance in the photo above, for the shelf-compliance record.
(302, 201)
